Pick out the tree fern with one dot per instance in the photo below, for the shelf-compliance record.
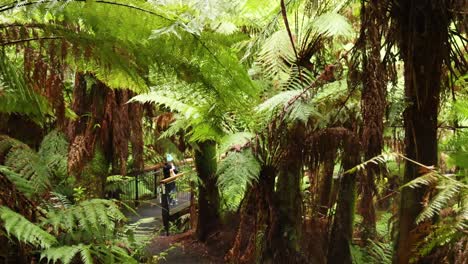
(235, 173)
(53, 149)
(36, 168)
(24, 161)
(20, 182)
(448, 189)
(332, 24)
(18, 226)
(17, 96)
(168, 99)
(66, 254)
(232, 140)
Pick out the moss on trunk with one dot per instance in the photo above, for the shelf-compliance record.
(420, 22)
(342, 228)
(208, 192)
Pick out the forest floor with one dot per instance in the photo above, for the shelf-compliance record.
(183, 249)
(177, 248)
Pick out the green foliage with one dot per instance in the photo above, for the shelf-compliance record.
(34, 173)
(18, 226)
(66, 254)
(22, 161)
(16, 96)
(91, 230)
(235, 173)
(53, 152)
(380, 252)
(232, 140)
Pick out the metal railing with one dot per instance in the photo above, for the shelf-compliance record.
(176, 197)
(174, 194)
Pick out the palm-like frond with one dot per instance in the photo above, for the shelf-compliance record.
(18, 226)
(37, 169)
(25, 162)
(16, 95)
(332, 24)
(168, 99)
(232, 140)
(235, 173)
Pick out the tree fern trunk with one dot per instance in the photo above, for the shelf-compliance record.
(288, 202)
(288, 193)
(208, 193)
(423, 26)
(373, 102)
(136, 136)
(326, 183)
(342, 227)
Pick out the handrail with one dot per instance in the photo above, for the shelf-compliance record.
(173, 178)
(161, 164)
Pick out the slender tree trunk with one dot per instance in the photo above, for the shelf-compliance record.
(342, 228)
(326, 183)
(121, 125)
(423, 26)
(208, 193)
(288, 193)
(288, 201)
(259, 222)
(136, 136)
(373, 107)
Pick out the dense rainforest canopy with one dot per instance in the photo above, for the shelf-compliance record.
(298, 131)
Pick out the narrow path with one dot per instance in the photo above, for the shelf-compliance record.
(148, 220)
(177, 249)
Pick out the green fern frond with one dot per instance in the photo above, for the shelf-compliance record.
(230, 140)
(25, 231)
(162, 98)
(425, 180)
(447, 192)
(381, 159)
(53, 152)
(303, 112)
(64, 254)
(17, 96)
(24, 161)
(276, 54)
(235, 173)
(332, 24)
(279, 100)
(179, 125)
(238, 169)
(20, 182)
(380, 252)
(93, 218)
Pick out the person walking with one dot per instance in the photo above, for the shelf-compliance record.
(170, 170)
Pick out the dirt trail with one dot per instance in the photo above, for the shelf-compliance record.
(176, 249)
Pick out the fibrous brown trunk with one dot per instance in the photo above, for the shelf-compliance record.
(208, 192)
(120, 132)
(423, 26)
(136, 137)
(258, 218)
(342, 228)
(373, 107)
(326, 182)
(285, 240)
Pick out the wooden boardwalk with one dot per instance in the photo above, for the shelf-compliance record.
(148, 220)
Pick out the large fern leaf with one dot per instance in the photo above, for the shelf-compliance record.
(25, 231)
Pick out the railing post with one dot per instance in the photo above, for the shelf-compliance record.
(155, 183)
(137, 203)
(165, 208)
